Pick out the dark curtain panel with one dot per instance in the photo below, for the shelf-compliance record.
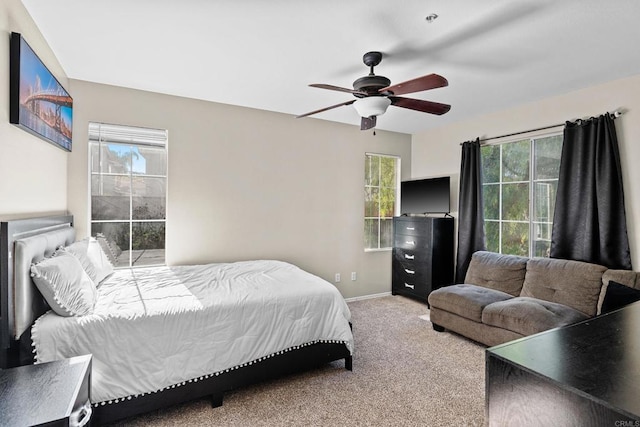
(470, 212)
(589, 223)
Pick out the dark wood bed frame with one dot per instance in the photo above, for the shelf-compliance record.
(19, 352)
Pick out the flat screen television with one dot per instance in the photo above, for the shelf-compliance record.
(425, 196)
(37, 101)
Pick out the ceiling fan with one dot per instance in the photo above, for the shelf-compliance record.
(374, 94)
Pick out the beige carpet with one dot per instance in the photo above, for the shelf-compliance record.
(404, 374)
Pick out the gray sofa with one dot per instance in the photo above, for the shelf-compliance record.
(506, 297)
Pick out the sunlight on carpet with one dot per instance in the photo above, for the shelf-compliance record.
(404, 374)
(425, 317)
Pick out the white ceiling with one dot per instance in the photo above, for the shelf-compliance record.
(263, 54)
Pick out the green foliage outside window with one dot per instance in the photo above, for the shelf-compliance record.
(380, 194)
(519, 189)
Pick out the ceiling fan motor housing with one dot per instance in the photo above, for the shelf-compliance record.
(370, 85)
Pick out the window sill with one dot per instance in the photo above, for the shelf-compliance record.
(379, 250)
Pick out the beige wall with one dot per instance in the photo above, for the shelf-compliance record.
(246, 184)
(437, 152)
(33, 173)
(249, 184)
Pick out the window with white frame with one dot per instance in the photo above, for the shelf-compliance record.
(128, 178)
(520, 181)
(381, 189)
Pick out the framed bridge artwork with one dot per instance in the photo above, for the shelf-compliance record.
(37, 101)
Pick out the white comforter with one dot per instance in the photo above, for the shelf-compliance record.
(157, 327)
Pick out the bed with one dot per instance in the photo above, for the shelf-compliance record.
(164, 335)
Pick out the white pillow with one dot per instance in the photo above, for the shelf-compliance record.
(92, 257)
(65, 285)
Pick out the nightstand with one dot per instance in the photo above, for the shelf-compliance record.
(51, 394)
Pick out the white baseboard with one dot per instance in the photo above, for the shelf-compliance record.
(380, 295)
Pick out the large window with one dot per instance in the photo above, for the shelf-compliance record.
(128, 168)
(381, 183)
(520, 180)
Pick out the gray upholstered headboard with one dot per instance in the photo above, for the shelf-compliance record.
(28, 303)
(23, 241)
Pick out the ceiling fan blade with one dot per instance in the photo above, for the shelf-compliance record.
(420, 105)
(326, 108)
(368, 122)
(338, 88)
(430, 81)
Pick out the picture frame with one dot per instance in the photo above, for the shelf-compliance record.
(38, 103)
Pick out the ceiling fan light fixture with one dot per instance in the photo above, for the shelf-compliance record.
(372, 106)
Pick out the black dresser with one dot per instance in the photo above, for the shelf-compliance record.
(422, 255)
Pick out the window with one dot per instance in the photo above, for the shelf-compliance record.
(520, 180)
(128, 168)
(381, 183)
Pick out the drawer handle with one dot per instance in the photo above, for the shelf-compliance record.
(406, 285)
(409, 271)
(407, 256)
(410, 242)
(411, 228)
(81, 416)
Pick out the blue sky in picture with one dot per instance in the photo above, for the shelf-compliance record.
(36, 78)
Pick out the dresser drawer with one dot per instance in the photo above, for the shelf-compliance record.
(412, 242)
(407, 287)
(410, 283)
(412, 226)
(413, 259)
(410, 276)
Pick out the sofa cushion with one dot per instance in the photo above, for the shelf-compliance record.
(572, 283)
(465, 300)
(497, 271)
(529, 316)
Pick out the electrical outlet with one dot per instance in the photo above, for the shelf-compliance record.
(353, 275)
(337, 277)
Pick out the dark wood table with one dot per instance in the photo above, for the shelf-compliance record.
(50, 394)
(587, 374)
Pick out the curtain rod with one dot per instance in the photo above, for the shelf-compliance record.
(521, 132)
(615, 115)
